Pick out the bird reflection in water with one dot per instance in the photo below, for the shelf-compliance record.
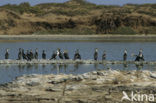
(139, 68)
(96, 66)
(65, 68)
(21, 67)
(43, 66)
(68, 68)
(104, 65)
(125, 66)
(7, 66)
(59, 67)
(29, 66)
(76, 67)
(36, 66)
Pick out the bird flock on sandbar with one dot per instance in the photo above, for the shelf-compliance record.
(30, 55)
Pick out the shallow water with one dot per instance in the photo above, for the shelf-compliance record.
(114, 51)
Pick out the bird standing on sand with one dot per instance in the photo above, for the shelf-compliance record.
(7, 54)
(140, 56)
(65, 53)
(28, 55)
(96, 54)
(125, 55)
(20, 54)
(59, 53)
(54, 55)
(36, 54)
(77, 55)
(31, 55)
(24, 55)
(43, 54)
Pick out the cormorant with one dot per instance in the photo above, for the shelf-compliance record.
(7, 54)
(20, 54)
(43, 54)
(28, 55)
(53, 55)
(31, 55)
(59, 53)
(36, 54)
(125, 55)
(24, 55)
(77, 55)
(140, 56)
(96, 54)
(66, 56)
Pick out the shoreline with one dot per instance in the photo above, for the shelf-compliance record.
(70, 61)
(96, 86)
(94, 38)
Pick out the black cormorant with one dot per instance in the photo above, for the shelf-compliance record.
(77, 55)
(43, 54)
(96, 54)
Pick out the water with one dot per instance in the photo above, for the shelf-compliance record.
(114, 51)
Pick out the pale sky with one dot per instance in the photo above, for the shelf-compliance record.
(105, 2)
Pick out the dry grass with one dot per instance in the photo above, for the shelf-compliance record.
(23, 18)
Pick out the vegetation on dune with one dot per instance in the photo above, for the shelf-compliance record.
(67, 31)
(21, 8)
(77, 17)
(123, 30)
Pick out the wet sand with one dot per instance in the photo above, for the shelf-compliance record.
(115, 38)
(70, 61)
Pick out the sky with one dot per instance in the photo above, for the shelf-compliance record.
(105, 2)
